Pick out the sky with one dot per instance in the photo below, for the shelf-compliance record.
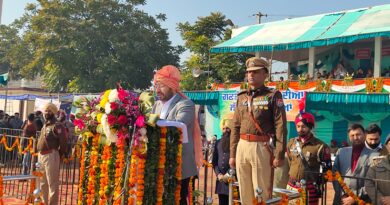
(241, 12)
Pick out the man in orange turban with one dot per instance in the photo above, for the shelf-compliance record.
(175, 106)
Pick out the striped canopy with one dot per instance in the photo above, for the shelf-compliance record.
(310, 31)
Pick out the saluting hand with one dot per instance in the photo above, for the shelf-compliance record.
(277, 162)
(232, 163)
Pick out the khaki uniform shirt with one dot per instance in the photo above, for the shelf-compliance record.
(315, 152)
(268, 110)
(379, 169)
(52, 137)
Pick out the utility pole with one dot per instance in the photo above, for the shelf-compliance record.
(1, 9)
(258, 16)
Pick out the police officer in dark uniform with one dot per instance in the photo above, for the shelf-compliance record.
(306, 154)
(258, 118)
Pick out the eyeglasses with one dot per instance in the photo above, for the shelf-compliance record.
(159, 86)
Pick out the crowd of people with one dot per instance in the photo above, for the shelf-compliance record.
(340, 72)
(11, 122)
(55, 135)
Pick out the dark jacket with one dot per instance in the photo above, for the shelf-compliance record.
(221, 166)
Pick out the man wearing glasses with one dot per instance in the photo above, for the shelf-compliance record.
(175, 106)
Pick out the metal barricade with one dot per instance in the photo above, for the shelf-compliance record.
(11, 165)
(329, 190)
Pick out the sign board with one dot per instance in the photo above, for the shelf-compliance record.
(363, 53)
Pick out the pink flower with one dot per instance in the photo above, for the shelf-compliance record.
(140, 122)
(79, 123)
(111, 120)
(122, 94)
(122, 120)
(120, 135)
(114, 106)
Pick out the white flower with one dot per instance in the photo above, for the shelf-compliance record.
(111, 135)
(107, 108)
(113, 96)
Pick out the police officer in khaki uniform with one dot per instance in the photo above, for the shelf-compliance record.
(307, 154)
(51, 145)
(379, 169)
(259, 116)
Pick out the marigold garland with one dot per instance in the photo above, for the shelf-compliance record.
(92, 170)
(120, 164)
(4, 142)
(106, 155)
(207, 164)
(235, 195)
(255, 201)
(133, 177)
(161, 166)
(115, 115)
(82, 184)
(329, 176)
(284, 200)
(140, 180)
(302, 200)
(30, 198)
(178, 168)
(111, 173)
(30, 148)
(190, 191)
(172, 175)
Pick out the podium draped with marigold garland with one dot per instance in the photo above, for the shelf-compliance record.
(126, 159)
(153, 175)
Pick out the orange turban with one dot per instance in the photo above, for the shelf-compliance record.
(168, 75)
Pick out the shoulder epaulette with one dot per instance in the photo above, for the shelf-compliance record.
(376, 160)
(241, 92)
(270, 89)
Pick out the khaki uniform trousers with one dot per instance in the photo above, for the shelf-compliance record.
(253, 170)
(281, 175)
(51, 177)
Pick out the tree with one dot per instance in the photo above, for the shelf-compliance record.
(9, 42)
(199, 38)
(89, 45)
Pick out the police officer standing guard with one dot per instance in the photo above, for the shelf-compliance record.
(258, 118)
(306, 154)
(51, 146)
